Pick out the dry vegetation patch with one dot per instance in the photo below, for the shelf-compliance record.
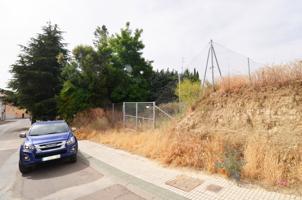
(269, 76)
(92, 119)
(250, 132)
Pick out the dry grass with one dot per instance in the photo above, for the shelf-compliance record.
(271, 162)
(275, 75)
(151, 143)
(255, 130)
(264, 161)
(278, 75)
(163, 145)
(234, 83)
(95, 119)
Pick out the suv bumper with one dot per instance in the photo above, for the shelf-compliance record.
(32, 158)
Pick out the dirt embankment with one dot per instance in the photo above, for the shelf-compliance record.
(251, 134)
(267, 109)
(260, 129)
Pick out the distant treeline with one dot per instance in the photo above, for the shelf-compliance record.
(48, 80)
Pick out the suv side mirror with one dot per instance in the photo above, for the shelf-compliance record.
(22, 135)
(73, 129)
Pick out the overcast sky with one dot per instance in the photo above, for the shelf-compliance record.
(268, 31)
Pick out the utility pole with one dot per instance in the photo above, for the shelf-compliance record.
(179, 77)
(179, 80)
(249, 68)
(212, 65)
(210, 57)
(182, 64)
(179, 87)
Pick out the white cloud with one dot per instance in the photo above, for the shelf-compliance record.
(268, 31)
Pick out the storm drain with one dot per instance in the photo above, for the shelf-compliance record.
(185, 183)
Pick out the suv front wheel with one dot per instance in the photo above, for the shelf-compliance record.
(23, 169)
(73, 159)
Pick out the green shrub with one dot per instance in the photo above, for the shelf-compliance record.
(232, 163)
(189, 91)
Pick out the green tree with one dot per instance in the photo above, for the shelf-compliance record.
(85, 83)
(112, 70)
(193, 76)
(130, 72)
(163, 84)
(37, 73)
(71, 100)
(86, 76)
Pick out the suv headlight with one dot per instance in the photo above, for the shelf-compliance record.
(28, 147)
(71, 140)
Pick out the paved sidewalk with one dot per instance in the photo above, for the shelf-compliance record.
(211, 187)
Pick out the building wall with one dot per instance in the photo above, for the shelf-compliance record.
(11, 112)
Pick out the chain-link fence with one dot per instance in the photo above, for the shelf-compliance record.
(114, 113)
(144, 114)
(139, 114)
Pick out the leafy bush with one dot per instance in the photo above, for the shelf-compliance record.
(189, 91)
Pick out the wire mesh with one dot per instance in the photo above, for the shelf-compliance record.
(230, 62)
(139, 114)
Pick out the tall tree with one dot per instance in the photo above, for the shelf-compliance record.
(86, 76)
(85, 83)
(113, 70)
(37, 73)
(130, 71)
(163, 84)
(192, 76)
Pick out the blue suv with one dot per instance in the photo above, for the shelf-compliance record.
(45, 141)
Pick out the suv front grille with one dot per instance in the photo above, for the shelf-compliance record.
(49, 147)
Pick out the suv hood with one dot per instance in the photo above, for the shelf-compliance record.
(49, 138)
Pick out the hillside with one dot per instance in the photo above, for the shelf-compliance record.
(262, 125)
(250, 132)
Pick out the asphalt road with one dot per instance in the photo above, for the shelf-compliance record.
(56, 180)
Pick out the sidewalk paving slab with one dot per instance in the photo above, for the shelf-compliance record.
(134, 184)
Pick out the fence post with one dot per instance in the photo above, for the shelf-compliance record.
(154, 114)
(136, 115)
(124, 115)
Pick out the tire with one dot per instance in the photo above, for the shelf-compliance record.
(73, 159)
(23, 169)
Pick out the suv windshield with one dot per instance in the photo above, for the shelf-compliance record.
(44, 129)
